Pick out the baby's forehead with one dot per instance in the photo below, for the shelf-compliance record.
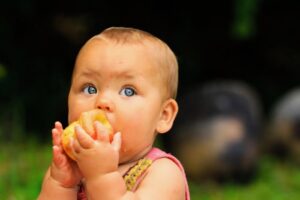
(151, 51)
(118, 56)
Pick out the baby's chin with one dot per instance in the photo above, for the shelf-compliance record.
(131, 155)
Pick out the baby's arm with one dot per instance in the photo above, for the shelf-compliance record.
(98, 161)
(63, 176)
(52, 189)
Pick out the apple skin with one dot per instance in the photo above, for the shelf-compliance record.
(86, 121)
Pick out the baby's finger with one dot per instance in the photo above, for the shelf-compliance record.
(56, 133)
(58, 157)
(75, 146)
(56, 138)
(58, 126)
(101, 132)
(84, 139)
(117, 141)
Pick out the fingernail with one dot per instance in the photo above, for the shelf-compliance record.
(118, 134)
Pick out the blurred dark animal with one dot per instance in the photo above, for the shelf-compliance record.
(216, 132)
(283, 130)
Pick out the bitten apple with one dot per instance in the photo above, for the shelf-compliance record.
(86, 121)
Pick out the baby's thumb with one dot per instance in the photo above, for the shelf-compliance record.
(116, 142)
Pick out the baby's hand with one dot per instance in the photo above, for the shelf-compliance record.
(99, 156)
(63, 170)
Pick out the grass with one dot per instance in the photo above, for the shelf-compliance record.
(22, 166)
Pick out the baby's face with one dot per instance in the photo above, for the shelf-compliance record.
(123, 81)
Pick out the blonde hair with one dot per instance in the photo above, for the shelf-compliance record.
(165, 57)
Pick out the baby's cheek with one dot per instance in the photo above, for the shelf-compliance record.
(136, 134)
(128, 139)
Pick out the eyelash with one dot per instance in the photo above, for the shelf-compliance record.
(132, 90)
(87, 89)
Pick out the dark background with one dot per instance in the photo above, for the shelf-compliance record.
(255, 41)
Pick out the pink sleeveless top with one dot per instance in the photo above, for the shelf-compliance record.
(135, 175)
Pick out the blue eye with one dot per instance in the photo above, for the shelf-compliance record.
(90, 89)
(128, 92)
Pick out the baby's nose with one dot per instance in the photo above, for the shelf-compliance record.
(105, 104)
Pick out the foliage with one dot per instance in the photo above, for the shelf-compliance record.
(22, 166)
(245, 14)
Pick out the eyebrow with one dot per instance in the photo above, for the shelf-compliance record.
(126, 75)
(129, 75)
(87, 73)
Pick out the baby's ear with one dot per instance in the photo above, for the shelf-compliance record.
(167, 116)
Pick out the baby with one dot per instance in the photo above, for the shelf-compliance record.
(132, 76)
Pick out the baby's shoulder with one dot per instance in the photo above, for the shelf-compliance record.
(164, 176)
(166, 167)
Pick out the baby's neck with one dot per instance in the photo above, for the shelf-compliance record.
(124, 167)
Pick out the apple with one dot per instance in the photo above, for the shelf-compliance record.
(86, 121)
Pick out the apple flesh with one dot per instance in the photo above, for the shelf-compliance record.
(86, 121)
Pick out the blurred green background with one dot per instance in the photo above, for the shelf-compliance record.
(256, 41)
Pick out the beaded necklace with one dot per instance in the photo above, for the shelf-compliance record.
(135, 172)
